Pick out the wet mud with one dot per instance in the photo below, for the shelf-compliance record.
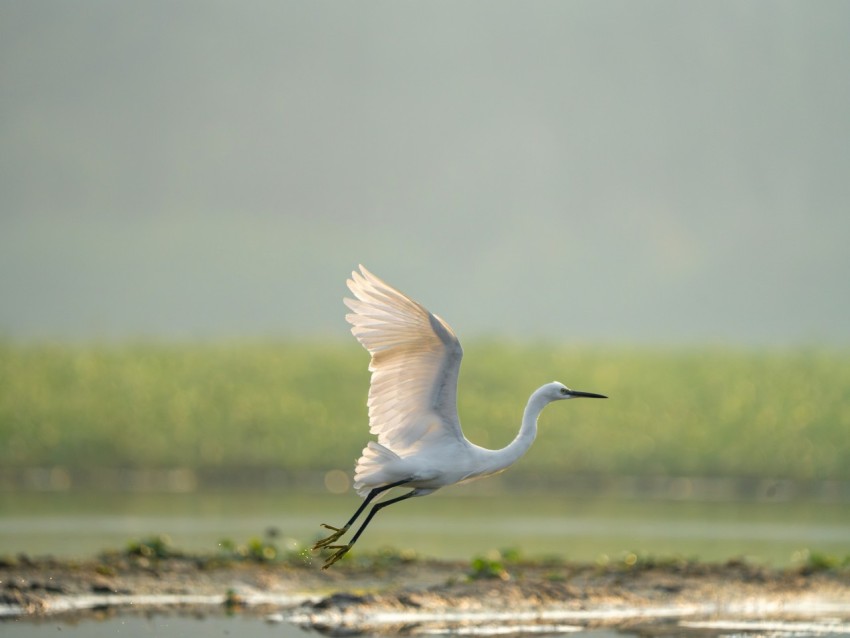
(416, 596)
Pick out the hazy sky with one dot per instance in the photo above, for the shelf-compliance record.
(599, 171)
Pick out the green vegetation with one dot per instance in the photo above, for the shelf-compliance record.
(259, 550)
(156, 547)
(812, 561)
(297, 407)
(494, 565)
(503, 564)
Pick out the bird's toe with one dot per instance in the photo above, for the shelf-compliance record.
(341, 550)
(337, 532)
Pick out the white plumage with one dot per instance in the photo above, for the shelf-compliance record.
(413, 404)
(415, 363)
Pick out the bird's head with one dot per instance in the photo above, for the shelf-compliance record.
(557, 391)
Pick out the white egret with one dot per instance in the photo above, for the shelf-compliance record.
(413, 407)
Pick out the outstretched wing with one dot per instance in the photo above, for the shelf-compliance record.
(415, 363)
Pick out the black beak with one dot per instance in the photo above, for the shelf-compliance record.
(586, 395)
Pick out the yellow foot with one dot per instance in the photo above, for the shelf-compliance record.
(341, 550)
(337, 532)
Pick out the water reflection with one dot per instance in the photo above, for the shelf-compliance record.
(250, 626)
(165, 626)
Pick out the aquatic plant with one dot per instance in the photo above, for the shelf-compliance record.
(811, 561)
(494, 564)
(155, 547)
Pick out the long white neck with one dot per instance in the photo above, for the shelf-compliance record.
(508, 455)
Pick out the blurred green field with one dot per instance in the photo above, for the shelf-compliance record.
(301, 406)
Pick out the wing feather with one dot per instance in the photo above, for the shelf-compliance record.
(415, 363)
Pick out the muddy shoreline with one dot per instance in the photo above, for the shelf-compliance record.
(393, 593)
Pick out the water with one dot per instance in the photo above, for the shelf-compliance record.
(158, 625)
(456, 524)
(173, 626)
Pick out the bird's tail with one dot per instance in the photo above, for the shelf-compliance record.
(371, 470)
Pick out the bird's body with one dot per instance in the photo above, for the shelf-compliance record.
(413, 404)
(443, 460)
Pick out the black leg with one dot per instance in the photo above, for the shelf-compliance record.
(339, 531)
(342, 550)
(374, 511)
(371, 496)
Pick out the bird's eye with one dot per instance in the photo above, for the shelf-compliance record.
(564, 390)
